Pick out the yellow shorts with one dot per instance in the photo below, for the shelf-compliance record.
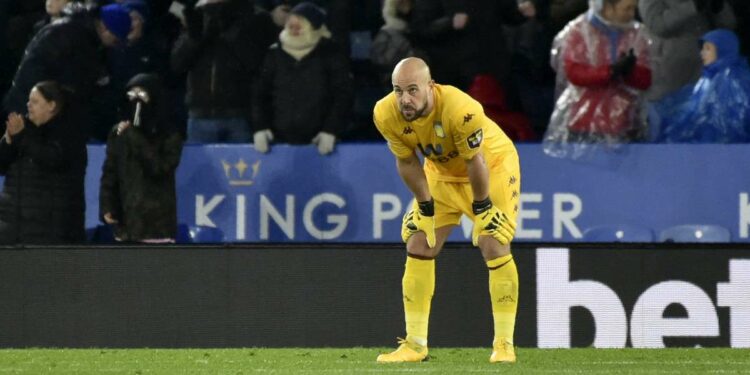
(452, 199)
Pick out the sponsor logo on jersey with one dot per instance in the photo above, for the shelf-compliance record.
(438, 126)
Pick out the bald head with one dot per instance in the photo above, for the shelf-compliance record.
(411, 70)
(413, 85)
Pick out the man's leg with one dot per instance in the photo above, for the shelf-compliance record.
(418, 286)
(503, 286)
(503, 275)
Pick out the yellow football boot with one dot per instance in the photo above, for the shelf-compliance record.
(503, 352)
(406, 352)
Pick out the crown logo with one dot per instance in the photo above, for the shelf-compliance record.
(238, 174)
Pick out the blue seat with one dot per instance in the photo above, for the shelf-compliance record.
(100, 234)
(618, 233)
(199, 234)
(695, 233)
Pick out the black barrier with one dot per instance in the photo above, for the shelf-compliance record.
(350, 295)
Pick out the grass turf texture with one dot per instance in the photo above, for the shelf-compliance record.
(362, 361)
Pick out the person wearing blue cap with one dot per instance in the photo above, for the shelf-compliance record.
(66, 52)
(716, 109)
(114, 24)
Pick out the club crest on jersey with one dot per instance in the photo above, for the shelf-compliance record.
(438, 126)
(475, 139)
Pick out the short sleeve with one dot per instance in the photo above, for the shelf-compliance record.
(468, 123)
(395, 144)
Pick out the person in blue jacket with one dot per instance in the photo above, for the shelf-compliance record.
(716, 109)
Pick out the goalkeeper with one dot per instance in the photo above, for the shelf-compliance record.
(471, 167)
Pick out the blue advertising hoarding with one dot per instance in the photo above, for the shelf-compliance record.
(292, 194)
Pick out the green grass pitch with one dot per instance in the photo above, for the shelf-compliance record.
(362, 361)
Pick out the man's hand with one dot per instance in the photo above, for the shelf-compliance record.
(262, 140)
(122, 126)
(490, 221)
(109, 219)
(624, 65)
(420, 220)
(325, 142)
(460, 20)
(13, 126)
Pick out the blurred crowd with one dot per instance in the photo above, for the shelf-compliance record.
(150, 74)
(287, 71)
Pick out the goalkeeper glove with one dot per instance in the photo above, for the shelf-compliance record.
(422, 219)
(490, 221)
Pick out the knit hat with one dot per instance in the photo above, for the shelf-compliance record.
(313, 13)
(116, 19)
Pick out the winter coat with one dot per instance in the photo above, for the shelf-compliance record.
(221, 66)
(43, 199)
(138, 176)
(66, 51)
(717, 107)
(593, 104)
(298, 99)
(675, 27)
(456, 56)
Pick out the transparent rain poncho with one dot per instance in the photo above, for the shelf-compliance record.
(716, 109)
(593, 108)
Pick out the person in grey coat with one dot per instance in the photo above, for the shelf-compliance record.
(676, 26)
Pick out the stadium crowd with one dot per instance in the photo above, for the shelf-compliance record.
(562, 72)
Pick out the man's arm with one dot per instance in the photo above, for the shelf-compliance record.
(410, 170)
(479, 177)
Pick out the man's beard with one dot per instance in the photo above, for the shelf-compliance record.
(417, 113)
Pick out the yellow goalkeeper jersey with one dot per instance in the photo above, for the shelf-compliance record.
(452, 133)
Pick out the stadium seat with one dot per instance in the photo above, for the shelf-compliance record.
(199, 234)
(618, 233)
(695, 233)
(203, 234)
(100, 234)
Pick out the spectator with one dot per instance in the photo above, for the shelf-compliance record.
(463, 39)
(68, 52)
(393, 41)
(338, 20)
(138, 51)
(717, 108)
(54, 10)
(221, 50)
(43, 159)
(305, 89)
(675, 25)
(602, 56)
(137, 194)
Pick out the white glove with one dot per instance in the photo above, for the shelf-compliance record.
(262, 140)
(325, 142)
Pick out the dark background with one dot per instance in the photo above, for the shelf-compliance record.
(306, 295)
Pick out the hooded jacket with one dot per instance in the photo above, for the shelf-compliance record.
(591, 104)
(138, 176)
(717, 108)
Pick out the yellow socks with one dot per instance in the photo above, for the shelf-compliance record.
(418, 286)
(504, 295)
